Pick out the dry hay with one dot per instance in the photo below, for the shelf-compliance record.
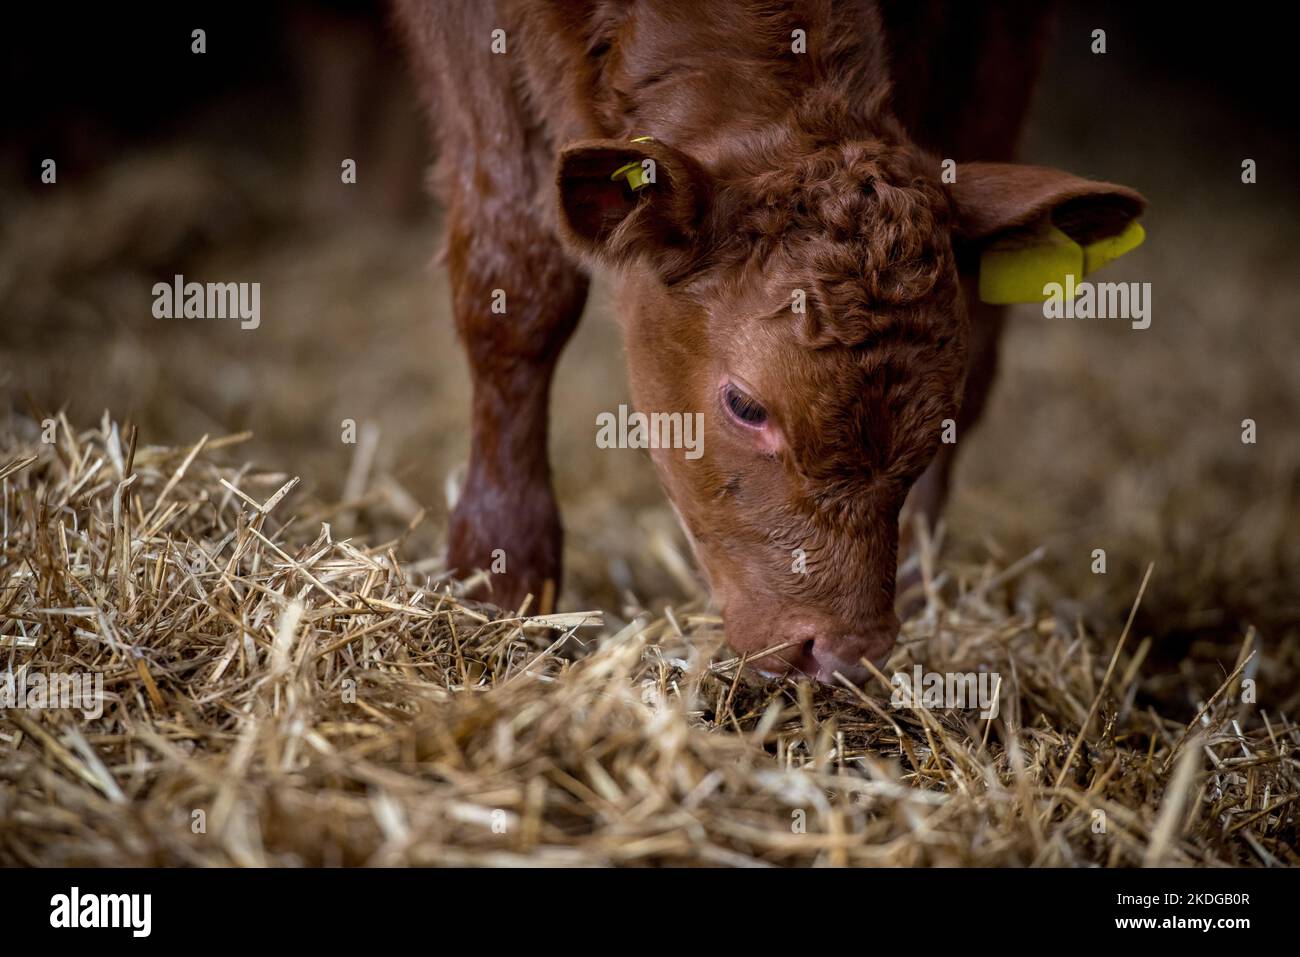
(229, 634)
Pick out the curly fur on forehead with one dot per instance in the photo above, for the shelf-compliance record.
(874, 415)
(861, 226)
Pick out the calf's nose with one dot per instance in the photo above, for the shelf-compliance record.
(844, 654)
(821, 652)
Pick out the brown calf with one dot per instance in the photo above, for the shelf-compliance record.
(782, 172)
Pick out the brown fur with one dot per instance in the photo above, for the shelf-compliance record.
(776, 172)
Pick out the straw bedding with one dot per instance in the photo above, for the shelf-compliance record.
(276, 694)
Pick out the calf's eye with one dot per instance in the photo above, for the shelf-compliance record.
(743, 407)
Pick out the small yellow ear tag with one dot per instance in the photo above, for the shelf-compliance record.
(634, 172)
(1015, 271)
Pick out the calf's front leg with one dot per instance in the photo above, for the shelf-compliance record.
(517, 298)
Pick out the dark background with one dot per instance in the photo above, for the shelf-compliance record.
(95, 77)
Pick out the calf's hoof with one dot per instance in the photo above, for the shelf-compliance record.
(518, 547)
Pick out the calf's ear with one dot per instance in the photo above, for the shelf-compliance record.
(993, 199)
(621, 201)
(1033, 226)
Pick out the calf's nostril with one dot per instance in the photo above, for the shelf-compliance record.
(846, 654)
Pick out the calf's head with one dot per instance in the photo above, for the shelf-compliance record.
(811, 310)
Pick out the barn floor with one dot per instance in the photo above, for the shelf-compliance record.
(279, 693)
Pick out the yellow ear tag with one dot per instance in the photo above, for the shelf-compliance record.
(1011, 271)
(1096, 255)
(634, 172)
(1015, 270)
